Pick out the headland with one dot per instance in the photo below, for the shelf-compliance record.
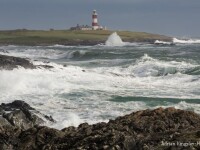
(72, 37)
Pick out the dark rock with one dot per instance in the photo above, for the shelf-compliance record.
(19, 114)
(3, 51)
(142, 130)
(139, 130)
(17, 104)
(15, 118)
(45, 66)
(50, 118)
(198, 134)
(10, 62)
(37, 138)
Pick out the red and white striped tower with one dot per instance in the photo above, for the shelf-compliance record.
(95, 25)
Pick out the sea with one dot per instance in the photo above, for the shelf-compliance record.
(97, 83)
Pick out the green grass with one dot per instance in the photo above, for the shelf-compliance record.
(67, 37)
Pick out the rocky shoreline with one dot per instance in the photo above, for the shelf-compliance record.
(22, 127)
(81, 42)
(72, 38)
(160, 129)
(11, 62)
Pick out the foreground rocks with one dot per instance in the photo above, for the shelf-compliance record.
(16, 117)
(158, 129)
(10, 63)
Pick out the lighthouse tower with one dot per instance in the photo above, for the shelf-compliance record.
(95, 25)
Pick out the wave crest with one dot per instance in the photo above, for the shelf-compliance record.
(114, 40)
(177, 41)
(147, 66)
(189, 41)
(158, 42)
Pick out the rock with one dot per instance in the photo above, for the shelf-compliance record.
(45, 66)
(15, 118)
(3, 51)
(198, 134)
(10, 62)
(140, 130)
(19, 114)
(38, 138)
(17, 104)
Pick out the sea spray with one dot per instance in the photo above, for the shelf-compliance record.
(158, 42)
(98, 83)
(188, 41)
(178, 41)
(114, 40)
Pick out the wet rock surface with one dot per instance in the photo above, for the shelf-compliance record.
(11, 62)
(157, 129)
(16, 117)
(19, 114)
(3, 51)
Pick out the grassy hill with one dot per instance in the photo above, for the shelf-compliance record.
(68, 37)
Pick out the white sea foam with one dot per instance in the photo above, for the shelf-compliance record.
(114, 40)
(147, 66)
(51, 91)
(40, 53)
(162, 42)
(60, 46)
(189, 41)
(74, 94)
(34, 53)
(178, 41)
(72, 120)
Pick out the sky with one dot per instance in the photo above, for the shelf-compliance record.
(169, 17)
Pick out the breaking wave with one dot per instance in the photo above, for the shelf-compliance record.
(80, 54)
(158, 42)
(147, 66)
(80, 92)
(189, 41)
(177, 41)
(114, 40)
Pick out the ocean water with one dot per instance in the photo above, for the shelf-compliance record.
(97, 83)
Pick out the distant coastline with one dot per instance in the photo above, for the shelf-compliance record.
(68, 37)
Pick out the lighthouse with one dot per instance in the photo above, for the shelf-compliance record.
(95, 25)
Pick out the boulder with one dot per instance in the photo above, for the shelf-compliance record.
(3, 51)
(19, 114)
(10, 62)
(142, 130)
